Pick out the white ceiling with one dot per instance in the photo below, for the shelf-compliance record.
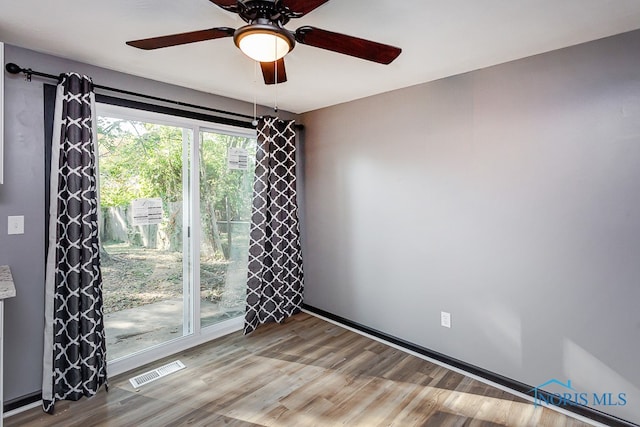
(439, 38)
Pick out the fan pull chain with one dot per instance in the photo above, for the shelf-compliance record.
(275, 108)
(275, 66)
(255, 94)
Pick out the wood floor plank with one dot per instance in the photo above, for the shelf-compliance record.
(305, 372)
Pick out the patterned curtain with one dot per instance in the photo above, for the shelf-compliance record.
(275, 279)
(74, 362)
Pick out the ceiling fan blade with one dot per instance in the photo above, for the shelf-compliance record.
(302, 7)
(230, 5)
(269, 71)
(347, 45)
(182, 38)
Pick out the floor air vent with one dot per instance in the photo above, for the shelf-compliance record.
(162, 371)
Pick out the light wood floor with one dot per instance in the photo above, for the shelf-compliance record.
(306, 372)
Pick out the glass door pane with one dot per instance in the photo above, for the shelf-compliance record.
(143, 174)
(227, 164)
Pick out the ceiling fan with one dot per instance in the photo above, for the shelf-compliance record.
(266, 40)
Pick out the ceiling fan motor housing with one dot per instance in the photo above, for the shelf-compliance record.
(272, 10)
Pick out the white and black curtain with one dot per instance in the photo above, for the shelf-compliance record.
(74, 362)
(275, 278)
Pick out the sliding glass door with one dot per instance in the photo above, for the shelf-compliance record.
(226, 164)
(164, 278)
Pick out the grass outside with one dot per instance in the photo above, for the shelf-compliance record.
(135, 276)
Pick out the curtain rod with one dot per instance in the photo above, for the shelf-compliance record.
(28, 72)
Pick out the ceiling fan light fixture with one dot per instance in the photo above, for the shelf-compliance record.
(264, 42)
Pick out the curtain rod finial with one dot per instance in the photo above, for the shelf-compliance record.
(13, 68)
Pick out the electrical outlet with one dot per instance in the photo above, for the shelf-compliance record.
(15, 224)
(445, 319)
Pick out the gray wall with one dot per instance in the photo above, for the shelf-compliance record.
(507, 196)
(23, 194)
